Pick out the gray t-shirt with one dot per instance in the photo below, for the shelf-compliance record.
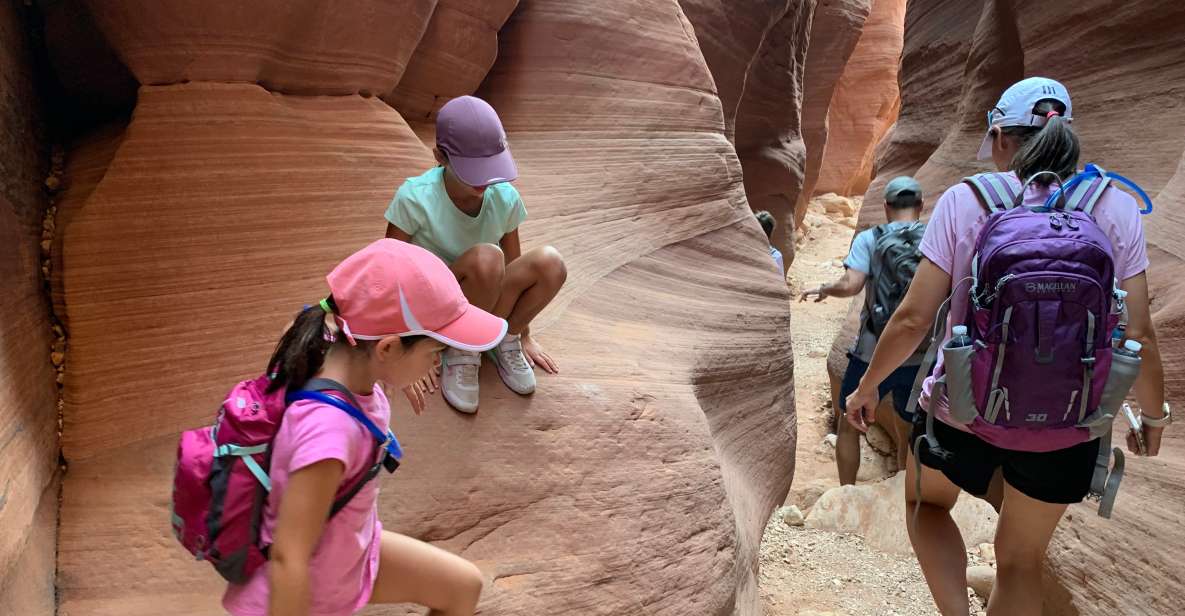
(860, 259)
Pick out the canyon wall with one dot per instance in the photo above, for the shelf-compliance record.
(958, 57)
(28, 397)
(865, 103)
(259, 154)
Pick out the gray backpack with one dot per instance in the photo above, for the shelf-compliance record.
(895, 259)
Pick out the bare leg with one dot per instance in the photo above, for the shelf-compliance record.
(412, 571)
(531, 282)
(1025, 528)
(899, 429)
(847, 452)
(481, 272)
(936, 539)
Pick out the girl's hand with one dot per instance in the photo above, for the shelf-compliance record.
(861, 407)
(536, 356)
(416, 397)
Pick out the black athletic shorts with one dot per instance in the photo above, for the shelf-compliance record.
(1061, 477)
(899, 383)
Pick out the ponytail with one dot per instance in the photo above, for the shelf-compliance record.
(302, 349)
(1053, 147)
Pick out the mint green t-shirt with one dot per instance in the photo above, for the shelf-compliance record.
(423, 210)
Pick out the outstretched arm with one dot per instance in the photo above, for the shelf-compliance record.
(848, 285)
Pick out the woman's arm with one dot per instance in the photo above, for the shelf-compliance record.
(303, 513)
(902, 336)
(1150, 384)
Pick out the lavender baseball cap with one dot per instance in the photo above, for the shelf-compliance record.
(469, 132)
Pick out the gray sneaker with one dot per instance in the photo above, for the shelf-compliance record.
(458, 379)
(513, 367)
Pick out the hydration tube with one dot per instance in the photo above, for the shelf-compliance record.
(1093, 171)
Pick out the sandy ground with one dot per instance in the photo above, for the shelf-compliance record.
(806, 571)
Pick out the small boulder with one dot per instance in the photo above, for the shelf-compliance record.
(981, 579)
(792, 516)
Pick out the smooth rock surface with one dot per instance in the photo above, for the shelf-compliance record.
(769, 122)
(453, 57)
(638, 479)
(835, 31)
(865, 102)
(981, 579)
(958, 57)
(28, 398)
(291, 46)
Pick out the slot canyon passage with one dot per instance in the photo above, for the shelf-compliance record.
(177, 177)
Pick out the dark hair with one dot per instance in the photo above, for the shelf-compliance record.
(767, 221)
(905, 200)
(1053, 147)
(301, 350)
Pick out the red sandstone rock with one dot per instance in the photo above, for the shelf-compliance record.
(644, 480)
(730, 33)
(865, 102)
(28, 412)
(292, 46)
(836, 29)
(958, 57)
(452, 58)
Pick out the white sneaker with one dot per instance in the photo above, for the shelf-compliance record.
(458, 379)
(512, 365)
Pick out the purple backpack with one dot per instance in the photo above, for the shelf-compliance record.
(1040, 317)
(221, 482)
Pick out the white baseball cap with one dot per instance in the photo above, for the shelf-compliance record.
(1017, 106)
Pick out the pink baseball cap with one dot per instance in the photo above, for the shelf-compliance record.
(392, 288)
(469, 131)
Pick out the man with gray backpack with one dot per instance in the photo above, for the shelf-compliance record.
(881, 262)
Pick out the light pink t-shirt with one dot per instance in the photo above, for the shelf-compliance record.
(346, 559)
(955, 225)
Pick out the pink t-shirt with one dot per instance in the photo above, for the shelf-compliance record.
(955, 225)
(346, 559)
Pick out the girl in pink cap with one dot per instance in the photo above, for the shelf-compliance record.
(393, 308)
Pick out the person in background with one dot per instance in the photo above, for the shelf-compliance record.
(881, 262)
(768, 224)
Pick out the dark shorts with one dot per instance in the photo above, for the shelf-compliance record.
(1060, 477)
(899, 383)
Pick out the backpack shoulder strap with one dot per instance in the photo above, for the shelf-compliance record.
(314, 390)
(320, 384)
(994, 190)
(1082, 192)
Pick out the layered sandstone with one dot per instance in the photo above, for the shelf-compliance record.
(28, 397)
(638, 480)
(865, 102)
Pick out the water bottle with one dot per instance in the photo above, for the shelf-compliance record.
(1125, 367)
(956, 361)
(1120, 330)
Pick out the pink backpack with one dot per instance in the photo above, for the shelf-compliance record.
(221, 482)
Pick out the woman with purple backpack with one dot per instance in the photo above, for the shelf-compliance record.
(393, 308)
(1035, 276)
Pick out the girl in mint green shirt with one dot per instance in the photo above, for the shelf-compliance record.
(466, 212)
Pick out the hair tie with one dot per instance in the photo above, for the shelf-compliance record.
(325, 306)
(1051, 114)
